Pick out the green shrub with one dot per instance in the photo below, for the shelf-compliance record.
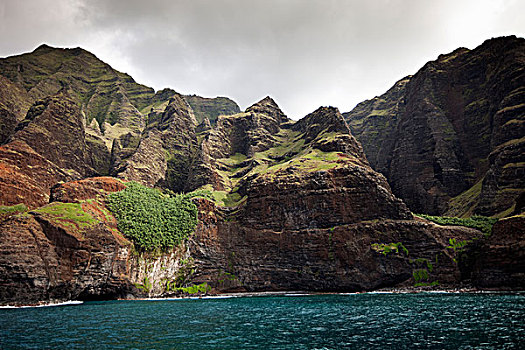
(420, 275)
(145, 286)
(193, 289)
(153, 220)
(482, 223)
(457, 245)
(389, 248)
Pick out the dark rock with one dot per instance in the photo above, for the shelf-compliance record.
(498, 261)
(26, 176)
(449, 138)
(235, 257)
(46, 259)
(54, 128)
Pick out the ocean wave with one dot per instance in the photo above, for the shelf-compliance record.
(64, 303)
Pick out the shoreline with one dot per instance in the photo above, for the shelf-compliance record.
(274, 293)
(44, 304)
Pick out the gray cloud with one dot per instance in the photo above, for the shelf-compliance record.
(304, 53)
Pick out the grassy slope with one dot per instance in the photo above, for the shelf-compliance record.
(288, 152)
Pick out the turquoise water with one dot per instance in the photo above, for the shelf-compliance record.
(357, 321)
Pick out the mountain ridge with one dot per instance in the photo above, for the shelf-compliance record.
(282, 204)
(446, 136)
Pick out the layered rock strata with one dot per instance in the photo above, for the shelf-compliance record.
(450, 138)
(283, 205)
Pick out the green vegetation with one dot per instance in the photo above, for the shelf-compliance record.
(145, 285)
(421, 272)
(420, 275)
(153, 220)
(424, 262)
(389, 248)
(482, 223)
(227, 199)
(68, 214)
(226, 276)
(193, 289)
(463, 205)
(13, 209)
(314, 160)
(220, 198)
(184, 274)
(457, 245)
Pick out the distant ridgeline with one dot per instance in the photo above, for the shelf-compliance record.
(109, 189)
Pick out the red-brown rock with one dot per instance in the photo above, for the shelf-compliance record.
(80, 190)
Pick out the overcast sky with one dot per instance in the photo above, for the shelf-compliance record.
(303, 53)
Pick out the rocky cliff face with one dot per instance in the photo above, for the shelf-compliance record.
(287, 205)
(450, 138)
(292, 217)
(234, 256)
(61, 251)
(71, 249)
(498, 261)
(308, 212)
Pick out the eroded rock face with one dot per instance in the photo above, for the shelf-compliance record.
(498, 261)
(450, 138)
(14, 103)
(319, 221)
(72, 250)
(296, 205)
(54, 128)
(49, 145)
(246, 133)
(45, 259)
(166, 150)
(26, 176)
(232, 256)
(81, 190)
(321, 199)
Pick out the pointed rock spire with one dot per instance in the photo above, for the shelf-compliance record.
(269, 107)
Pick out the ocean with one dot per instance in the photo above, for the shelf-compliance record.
(332, 321)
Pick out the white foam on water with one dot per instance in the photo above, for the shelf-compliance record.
(70, 302)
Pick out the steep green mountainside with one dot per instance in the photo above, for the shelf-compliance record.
(104, 93)
(262, 142)
(116, 113)
(450, 139)
(211, 108)
(268, 204)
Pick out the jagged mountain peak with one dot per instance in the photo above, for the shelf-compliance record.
(324, 118)
(267, 101)
(43, 48)
(268, 107)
